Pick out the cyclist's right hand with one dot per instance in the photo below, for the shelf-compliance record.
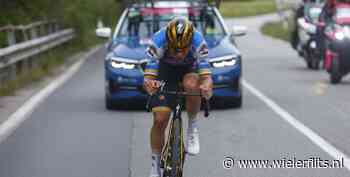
(151, 86)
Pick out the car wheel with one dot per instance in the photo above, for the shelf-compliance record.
(335, 75)
(225, 103)
(236, 102)
(109, 103)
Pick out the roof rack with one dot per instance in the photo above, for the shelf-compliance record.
(194, 3)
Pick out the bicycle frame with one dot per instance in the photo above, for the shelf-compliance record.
(173, 152)
(174, 143)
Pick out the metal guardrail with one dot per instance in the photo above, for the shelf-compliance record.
(37, 37)
(21, 33)
(30, 48)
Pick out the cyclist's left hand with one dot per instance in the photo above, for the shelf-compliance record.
(206, 90)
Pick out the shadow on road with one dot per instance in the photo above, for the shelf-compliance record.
(140, 107)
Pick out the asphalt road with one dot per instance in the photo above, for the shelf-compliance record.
(72, 135)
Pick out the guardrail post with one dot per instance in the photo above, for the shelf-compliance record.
(11, 37)
(25, 35)
(50, 28)
(42, 29)
(12, 72)
(34, 62)
(2, 78)
(56, 27)
(33, 33)
(24, 66)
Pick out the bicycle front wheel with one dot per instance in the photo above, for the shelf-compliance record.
(177, 149)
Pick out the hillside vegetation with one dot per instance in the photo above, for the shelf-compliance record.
(243, 8)
(82, 15)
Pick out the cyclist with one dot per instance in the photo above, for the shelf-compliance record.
(178, 52)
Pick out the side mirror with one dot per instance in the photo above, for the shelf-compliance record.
(239, 30)
(104, 32)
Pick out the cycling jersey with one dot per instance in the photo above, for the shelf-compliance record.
(195, 59)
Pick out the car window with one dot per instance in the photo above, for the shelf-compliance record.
(144, 25)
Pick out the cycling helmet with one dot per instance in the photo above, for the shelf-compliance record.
(179, 32)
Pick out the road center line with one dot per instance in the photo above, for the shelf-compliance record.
(313, 136)
(18, 117)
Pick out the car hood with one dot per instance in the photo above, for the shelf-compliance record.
(134, 48)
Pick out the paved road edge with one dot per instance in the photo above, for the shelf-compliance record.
(24, 111)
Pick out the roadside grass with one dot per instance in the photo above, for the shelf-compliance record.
(243, 8)
(276, 30)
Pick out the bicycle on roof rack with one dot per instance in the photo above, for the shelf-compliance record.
(173, 153)
(150, 3)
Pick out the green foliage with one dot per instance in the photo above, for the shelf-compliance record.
(21, 11)
(82, 15)
(242, 8)
(276, 30)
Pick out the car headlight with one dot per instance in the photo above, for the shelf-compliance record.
(224, 63)
(220, 62)
(122, 63)
(339, 35)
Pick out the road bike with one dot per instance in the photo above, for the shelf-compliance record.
(173, 152)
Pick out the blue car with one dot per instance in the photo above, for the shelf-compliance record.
(126, 58)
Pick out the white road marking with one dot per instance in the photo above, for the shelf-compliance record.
(313, 136)
(321, 88)
(18, 117)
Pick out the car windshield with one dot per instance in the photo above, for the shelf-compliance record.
(343, 13)
(144, 22)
